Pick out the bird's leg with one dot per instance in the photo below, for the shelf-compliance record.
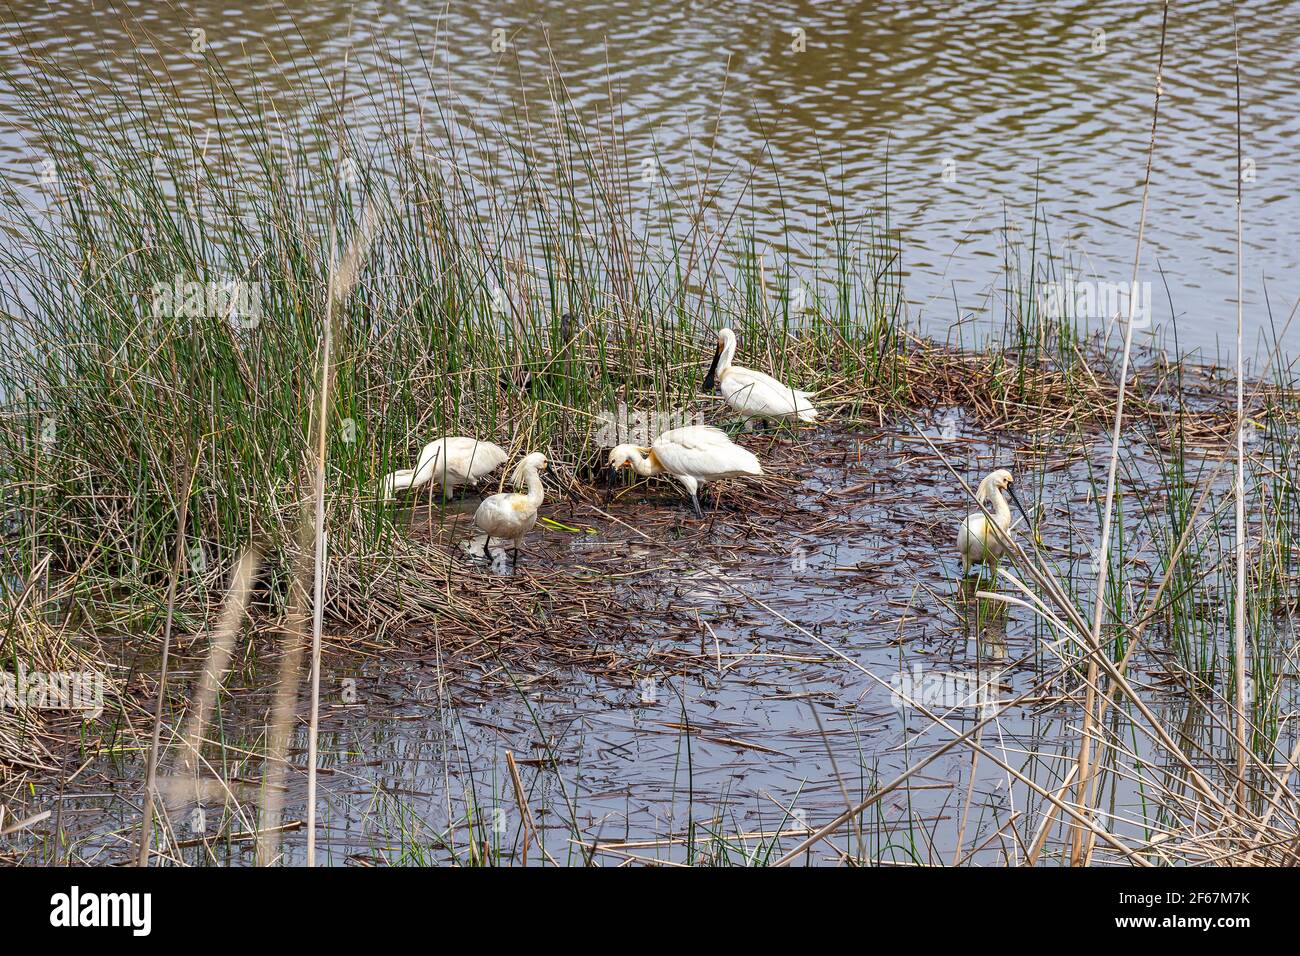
(695, 503)
(487, 552)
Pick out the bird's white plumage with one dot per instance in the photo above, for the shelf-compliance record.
(978, 540)
(703, 453)
(509, 515)
(449, 463)
(756, 394)
(690, 455)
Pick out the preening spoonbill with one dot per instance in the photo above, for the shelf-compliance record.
(512, 516)
(691, 455)
(976, 541)
(753, 394)
(449, 463)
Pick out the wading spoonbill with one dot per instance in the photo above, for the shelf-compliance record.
(449, 463)
(691, 455)
(511, 516)
(977, 542)
(753, 394)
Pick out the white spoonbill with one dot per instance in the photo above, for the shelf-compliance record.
(450, 463)
(977, 542)
(512, 516)
(753, 394)
(691, 455)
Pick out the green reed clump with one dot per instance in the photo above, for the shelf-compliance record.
(166, 294)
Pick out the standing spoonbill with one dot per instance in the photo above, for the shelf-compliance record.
(512, 516)
(753, 394)
(450, 463)
(977, 542)
(691, 455)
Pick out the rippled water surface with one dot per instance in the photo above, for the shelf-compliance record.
(958, 116)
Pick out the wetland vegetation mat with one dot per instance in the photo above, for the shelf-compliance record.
(225, 644)
(676, 691)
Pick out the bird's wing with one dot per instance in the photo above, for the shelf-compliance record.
(474, 458)
(695, 436)
(462, 459)
(501, 514)
(431, 453)
(974, 531)
(762, 394)
(703, 452)
(966, 530)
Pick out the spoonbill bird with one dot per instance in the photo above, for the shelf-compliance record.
(450, 462)
(977, 542)
(509, 515)
(691, 455)
(753, 394)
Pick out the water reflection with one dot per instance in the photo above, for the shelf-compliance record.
(983, 622)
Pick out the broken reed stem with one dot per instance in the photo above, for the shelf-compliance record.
(1240, 489)
(1081, 847)
(218, 662)
(970, 795)
(275, 775)
(318, 597)
(519, 802)
(526, 815)
(342, 276)
(151, 774)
